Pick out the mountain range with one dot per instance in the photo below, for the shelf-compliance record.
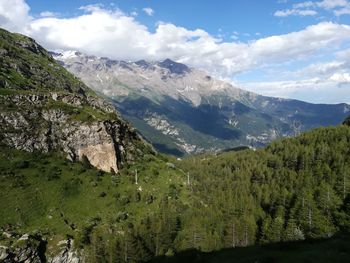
(78, 184)
(183, 110)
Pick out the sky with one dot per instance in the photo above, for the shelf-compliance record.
(281, 48)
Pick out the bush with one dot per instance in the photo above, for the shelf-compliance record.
(121, 216)
(124, 200)
(347, 121)
(53, 173)
(22, 164)
(103, 194)
(86, 163)
(149, 199)
(137, 196)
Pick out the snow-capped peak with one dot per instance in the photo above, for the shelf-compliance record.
(69, 54)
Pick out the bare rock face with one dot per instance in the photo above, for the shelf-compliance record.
(102, 156)
(75, 125)
(32, 248)
(25, 248)
(68, 254)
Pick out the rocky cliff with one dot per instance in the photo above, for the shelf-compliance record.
(44, 108)
(32, 248)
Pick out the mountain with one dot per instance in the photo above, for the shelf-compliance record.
(120, 201)
(184, 110)
(43, 107)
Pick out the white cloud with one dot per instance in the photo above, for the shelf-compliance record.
(327, 82)
(116, 35)
(296, 12)
(338, 7)
(304, 4)
(325, 4)
(341, 78)
(343, 55)
(342, 11)
(47, 14)
(313, 90)
(323, 70)
(331, 4)
(113, 34)
(300, 44)
(298, 9)
(92, 8)
(149, 11)
(14, 14)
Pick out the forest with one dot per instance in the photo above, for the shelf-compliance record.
(293, 190)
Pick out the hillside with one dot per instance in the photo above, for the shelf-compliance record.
(71, 209)
(51, 203)
(43, 107)
(185, 110)
(294, 190)
(79, 185)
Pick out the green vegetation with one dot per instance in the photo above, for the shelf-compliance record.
(295, 189)
(335, 249)
(24, 65)
(209, 126)
(83, 113)
(347, 121)
(50, 195)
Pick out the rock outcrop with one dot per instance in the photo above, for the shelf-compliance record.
(32, 248)
(24, 249)
(67, 253)
(70, 124)
(43, 107)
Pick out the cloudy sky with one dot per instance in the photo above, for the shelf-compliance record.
(283, 48)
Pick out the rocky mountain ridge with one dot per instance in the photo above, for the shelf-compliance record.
(185, 110)
(151, 78)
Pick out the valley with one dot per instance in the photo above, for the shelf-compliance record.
(81, 184)
(183, 110)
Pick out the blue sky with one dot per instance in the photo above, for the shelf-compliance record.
(283, 48)
(216, 17)
(229, 16)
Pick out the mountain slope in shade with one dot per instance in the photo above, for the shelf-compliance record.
(185, 110)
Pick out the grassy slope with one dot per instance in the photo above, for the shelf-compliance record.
(25, 65)
(49, 194)
(28, 69)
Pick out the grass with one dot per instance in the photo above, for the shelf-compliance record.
(28, 66)
(84, 113)
(49, 194)
(8, 92)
